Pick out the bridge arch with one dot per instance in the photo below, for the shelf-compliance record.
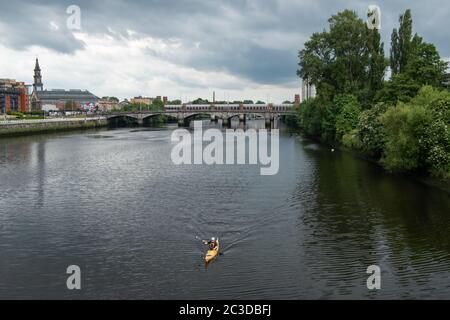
(130, 116)
(230, 116)
(149, 116)
(122, 120)
(190, 116)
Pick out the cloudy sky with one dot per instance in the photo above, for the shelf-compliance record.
(242, 49)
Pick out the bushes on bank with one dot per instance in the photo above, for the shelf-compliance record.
(347, 116)
(403, 124)
(370, 131)
(418, 133)
(403, 137)
(403, 121)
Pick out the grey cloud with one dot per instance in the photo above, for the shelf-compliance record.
(26, 24)
(229, 32)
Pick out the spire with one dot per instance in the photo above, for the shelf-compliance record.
(37, 68)
(37, 85)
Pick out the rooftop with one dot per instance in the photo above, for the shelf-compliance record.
(61, 94)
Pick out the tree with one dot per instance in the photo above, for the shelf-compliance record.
(377, 64)
(370, 131)
(347, 119)
(425, 66)
(434, 141)
(157, 105)
(401, 43)
(414, 63)
(200, 101)
(328, 122)
(347, 59)
(401, 87)
(395, 52)
(403, 124)
(418, 133)
(310, 117)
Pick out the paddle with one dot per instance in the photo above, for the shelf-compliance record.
(204, 241)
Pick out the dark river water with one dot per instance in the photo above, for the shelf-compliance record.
(113, 203)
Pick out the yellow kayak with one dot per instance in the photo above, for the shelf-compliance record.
(212, 254)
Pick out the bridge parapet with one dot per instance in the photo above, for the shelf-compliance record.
(182, 112)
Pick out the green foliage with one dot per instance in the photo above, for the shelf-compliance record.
(403, 122)
(401, 43)
(377, 66)
(414, 63)
(418, 133)
(310, 117)
(370, 131)
(18, 115)
(200, 101)
(292, 121)
(426, 67)
(400, 88)
(347, 119)
(157, 105)
(435, 139)
(351, 140)
(328, 122)
(35, 113)
(347, 59)
(175, 102)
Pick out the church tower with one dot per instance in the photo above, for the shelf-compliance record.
(37, 85)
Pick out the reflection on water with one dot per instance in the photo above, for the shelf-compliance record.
(114, 204)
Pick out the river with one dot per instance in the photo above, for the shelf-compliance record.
(112, 203)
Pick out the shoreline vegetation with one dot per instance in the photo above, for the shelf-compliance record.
(422, 177)
(403, 123)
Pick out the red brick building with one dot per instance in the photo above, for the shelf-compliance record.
(13, 96)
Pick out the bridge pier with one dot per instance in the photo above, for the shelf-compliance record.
(270, 122)
(242, 118)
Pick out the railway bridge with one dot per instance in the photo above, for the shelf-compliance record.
(184, 113)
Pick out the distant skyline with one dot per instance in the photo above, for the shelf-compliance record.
(242, 49)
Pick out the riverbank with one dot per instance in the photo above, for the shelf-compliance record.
(424, 178)
(31, 127)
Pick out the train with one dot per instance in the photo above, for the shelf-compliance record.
(230, 107)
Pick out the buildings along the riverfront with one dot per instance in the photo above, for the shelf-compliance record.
(58, 99)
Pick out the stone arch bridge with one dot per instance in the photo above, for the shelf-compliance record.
(225, 113)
